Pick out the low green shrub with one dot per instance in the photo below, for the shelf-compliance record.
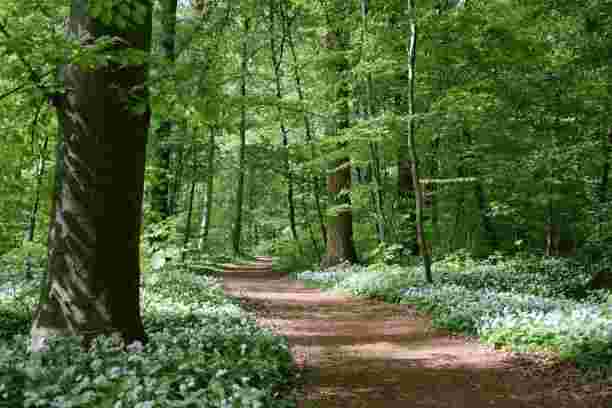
(291, 255)
(17, 299)
(551, 277)
(204, 351)
(379, 281)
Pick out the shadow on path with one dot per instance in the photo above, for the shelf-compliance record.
(364, 353)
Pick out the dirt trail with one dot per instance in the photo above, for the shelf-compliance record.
(363, 353)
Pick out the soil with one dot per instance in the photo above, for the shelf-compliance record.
(356, 352)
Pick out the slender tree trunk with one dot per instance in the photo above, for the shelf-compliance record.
(40, 173)
(315, 243)
(552, 229)
(56, 194)
(316, 180)
(161, 191)
(177, 179)
(276, 54)
(373, 146)
(483, 207)
(188, 220)
(251, 198)
(414, 168)
(237, 231)
(207, 213)
(94, 273)
(435, 214)
(485, 218)
(194, 175)
(406, 229)
(605, 179)
(603, 279)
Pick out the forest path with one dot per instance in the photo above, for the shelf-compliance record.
(365, 353)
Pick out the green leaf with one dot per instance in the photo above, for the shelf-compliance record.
(120, 22)
(125, 10)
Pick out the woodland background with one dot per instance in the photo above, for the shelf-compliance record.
(472, 135)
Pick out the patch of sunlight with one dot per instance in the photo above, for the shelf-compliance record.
(428, 354)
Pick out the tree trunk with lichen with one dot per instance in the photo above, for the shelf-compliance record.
(93, 280)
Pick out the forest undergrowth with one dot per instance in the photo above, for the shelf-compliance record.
(520, 304)
(204, 350)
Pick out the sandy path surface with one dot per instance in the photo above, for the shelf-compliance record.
(364, 353)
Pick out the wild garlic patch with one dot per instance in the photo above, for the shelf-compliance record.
(204, 351)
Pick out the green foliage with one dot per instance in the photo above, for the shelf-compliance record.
(17, 300)
(512, 100)
(292, 255)
(549, 277)
(13, 262)
(121, 14)
(386, 253)
(203, 351)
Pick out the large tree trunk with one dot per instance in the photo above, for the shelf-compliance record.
(93, 272)
(340, 245)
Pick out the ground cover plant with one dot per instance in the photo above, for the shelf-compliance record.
(524, 305)
(204, 351)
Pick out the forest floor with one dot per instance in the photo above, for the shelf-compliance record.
(364, 353)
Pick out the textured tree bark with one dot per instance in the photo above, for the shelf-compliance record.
(340, 245)
(161, 190)
(93, 278)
